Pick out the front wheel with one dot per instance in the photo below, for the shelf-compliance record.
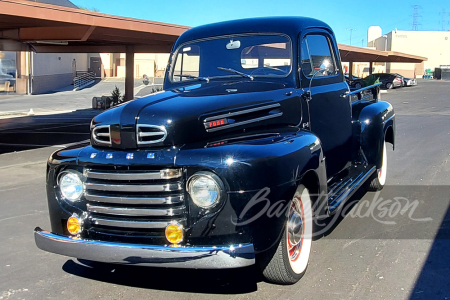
(290, 260)
(389, 86)
(379, 178)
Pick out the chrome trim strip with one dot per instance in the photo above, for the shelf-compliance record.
(244, 122)
(138, 134)
(143, 134)
(134, 187)
(132, 224)
(242, 112)
(123, 176)
(137, 212)
(94, 134)
(361, 89)
(134, 200)
(208, 257)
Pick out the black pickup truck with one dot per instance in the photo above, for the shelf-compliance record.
(254, 137)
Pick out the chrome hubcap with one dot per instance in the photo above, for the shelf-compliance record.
(295, 229)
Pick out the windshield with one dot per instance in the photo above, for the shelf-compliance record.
(249, 56)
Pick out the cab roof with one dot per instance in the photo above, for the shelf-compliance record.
(287, 25)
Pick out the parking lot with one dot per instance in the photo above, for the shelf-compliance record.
(366, 256)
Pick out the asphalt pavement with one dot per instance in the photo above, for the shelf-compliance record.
(395, 249)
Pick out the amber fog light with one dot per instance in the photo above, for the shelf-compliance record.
(174, 233)
(74, 225)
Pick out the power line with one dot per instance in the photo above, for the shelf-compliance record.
(416, 17)
(444, 18)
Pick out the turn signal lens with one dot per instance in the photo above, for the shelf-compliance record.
(174, 233)
(74, 225)
(171, 173)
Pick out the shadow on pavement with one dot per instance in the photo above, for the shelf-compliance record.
(434, 279)
(233, 281)
(32, 132)
(70, 88)
(325, 227)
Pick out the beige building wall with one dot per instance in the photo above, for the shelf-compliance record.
(435, 45)
(150, 64)
(52, 71)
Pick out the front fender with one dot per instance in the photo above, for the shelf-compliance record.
(261, 176)
(377, 122)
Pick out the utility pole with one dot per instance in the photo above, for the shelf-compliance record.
(351, 31)
(362, 42)
(416, 17)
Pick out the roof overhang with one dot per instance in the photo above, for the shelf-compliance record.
(28, 25)
(360, 54)
(49, 28)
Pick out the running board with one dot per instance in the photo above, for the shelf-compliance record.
(346, 187)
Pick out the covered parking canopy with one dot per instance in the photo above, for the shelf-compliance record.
(358, 54)
(44, 28)
(32, 26)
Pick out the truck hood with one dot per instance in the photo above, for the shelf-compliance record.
(190, 114)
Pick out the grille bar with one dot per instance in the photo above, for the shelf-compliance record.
(135, 200)
(133, 224)
(123, 176)
(170, 187)
(136, 212)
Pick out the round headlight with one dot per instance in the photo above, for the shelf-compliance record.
(71, 186)
(205, 189)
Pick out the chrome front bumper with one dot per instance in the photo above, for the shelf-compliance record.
(221, 257)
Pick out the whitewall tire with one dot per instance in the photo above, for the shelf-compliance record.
(379, 179)
(290, 260)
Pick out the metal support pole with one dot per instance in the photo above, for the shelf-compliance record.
(350, 70)
(129, 74)
(370, 68)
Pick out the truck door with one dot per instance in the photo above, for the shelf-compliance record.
(330, 114)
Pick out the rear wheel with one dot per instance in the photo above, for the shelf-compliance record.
(358, 85)
(290, 260)
(389, 85)
(379, 178)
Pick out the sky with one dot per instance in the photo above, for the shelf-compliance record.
(339, 14)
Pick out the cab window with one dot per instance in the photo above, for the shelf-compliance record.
(316, 54)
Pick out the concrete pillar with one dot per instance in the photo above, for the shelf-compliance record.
(370, 68)
(129, 74)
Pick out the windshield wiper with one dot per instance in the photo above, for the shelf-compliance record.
(236, 72)
(192, 77)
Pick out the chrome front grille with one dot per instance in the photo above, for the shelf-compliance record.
(102, 135)
(127, 200)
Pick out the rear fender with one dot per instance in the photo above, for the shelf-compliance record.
(377, 124)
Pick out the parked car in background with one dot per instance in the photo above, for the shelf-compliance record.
(408, 81)
(390, 81)
(355, 82)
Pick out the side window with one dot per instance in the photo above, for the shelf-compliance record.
(316, 55)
